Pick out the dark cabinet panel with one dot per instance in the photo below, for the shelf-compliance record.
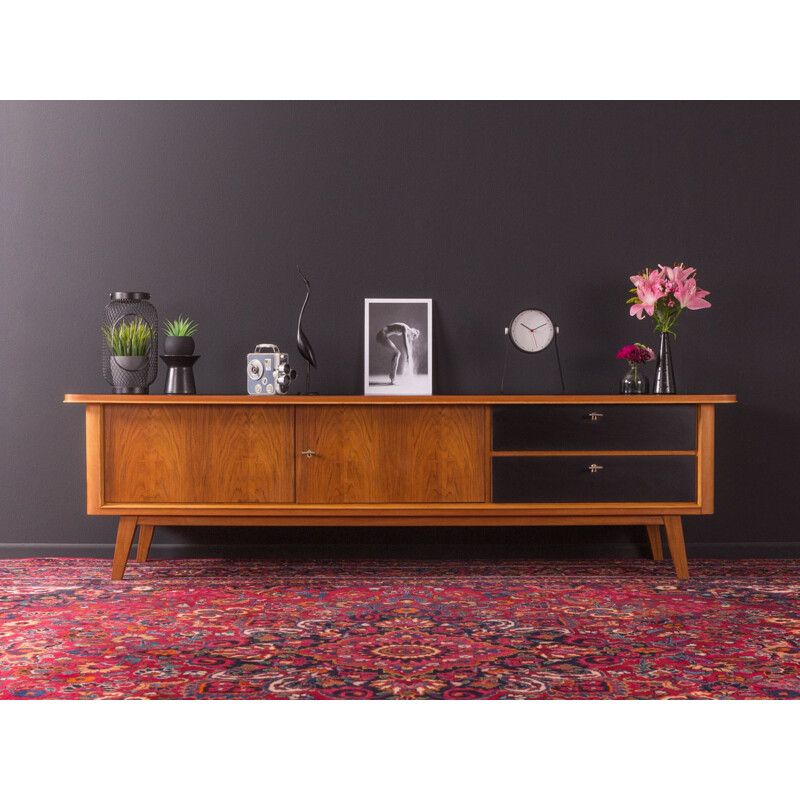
(615, 479)
(595, 427)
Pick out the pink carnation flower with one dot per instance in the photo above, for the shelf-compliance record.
(636, 354)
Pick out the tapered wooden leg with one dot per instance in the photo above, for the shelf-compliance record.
(654, 533)
(145, 537)
(125, 531)
(677, 549)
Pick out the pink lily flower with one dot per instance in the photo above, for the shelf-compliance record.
(689, 296)
(651, 276)
(679, 273)
(648, 290)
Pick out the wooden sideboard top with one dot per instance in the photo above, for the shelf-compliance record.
(441, 399)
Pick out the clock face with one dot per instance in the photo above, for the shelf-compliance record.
(531, 330)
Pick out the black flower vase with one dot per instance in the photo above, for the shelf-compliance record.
(665, 378)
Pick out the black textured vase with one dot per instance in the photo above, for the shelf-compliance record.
(119, 371)
(665, 378)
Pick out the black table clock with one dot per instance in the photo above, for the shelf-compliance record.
(531, 331)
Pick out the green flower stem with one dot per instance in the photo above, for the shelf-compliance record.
(666, 321)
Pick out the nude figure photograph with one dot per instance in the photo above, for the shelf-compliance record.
(397, 346)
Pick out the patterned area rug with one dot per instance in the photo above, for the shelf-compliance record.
(540, 630)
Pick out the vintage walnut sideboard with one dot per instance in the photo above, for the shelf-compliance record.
(365, 460)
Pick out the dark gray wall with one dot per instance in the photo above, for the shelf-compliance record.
(485, 207)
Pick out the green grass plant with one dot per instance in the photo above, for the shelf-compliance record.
(128, 337)
(180, 327)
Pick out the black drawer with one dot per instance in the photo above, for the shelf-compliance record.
(570, 479)
(596, 427)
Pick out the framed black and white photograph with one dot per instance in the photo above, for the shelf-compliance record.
(397, 346)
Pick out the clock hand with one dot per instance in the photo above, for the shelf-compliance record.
(537, 327)
(534, 339)
(526, 327)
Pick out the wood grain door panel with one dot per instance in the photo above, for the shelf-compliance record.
(198, 454)
(391, 454)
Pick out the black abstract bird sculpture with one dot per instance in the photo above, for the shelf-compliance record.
(303, 345)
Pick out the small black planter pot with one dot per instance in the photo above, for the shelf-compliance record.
(179, 345)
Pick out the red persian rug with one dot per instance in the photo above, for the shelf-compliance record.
(540, 630)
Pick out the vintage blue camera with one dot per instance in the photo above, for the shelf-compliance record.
(268, 371)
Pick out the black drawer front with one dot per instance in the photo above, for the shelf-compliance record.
(569, 479)
(613, 427)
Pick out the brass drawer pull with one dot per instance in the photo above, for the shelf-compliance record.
(594, 468)
(308, 453)
(595, 415)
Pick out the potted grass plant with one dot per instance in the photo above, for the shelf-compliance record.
(179, 337)
(129, 343)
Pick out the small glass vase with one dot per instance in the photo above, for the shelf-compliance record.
(634, 381)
